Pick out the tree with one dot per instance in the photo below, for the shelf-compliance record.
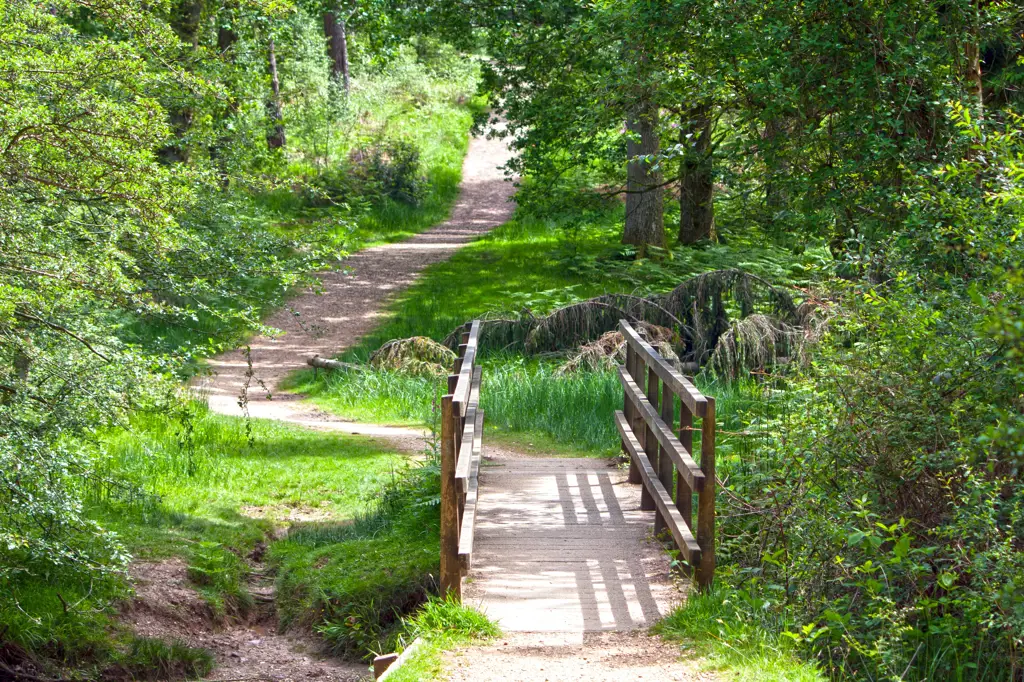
(337, 47)
(276, 137)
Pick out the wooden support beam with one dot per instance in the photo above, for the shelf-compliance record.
(688, 547)
(684, 493)
(681, 457)
(451, 570)
(706, 500)
(681, 386)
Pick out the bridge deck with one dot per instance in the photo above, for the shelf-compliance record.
(562, 546)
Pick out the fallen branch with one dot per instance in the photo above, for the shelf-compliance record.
(322, 363)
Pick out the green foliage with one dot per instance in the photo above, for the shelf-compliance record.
(447, 619)
(145, 224)
(896, 550)
(154, 659)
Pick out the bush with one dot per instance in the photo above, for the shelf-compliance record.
(883, 512)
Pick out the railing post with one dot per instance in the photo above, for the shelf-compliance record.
(639, 427)
(651, 446)
(706, 500)
(451, 570)
(666, 469)
(684, 496)
(629, 411)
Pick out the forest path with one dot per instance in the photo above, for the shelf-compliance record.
(590, 608)
(353, 299)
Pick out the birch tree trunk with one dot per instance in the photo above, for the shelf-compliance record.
(276, 137)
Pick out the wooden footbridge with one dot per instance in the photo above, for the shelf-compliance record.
(555, 544)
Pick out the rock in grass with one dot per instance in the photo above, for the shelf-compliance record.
(416, 355)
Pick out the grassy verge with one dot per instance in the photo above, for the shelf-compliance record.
(353, 582)
(201, 487)
(728, 633)
(442, 625)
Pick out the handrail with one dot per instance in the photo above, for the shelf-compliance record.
(680, 455)
(461, 449)
(650, 386)
(679, 384)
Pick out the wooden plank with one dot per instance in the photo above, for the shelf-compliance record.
(681, 386)
(468, 360)
(706, 500)
(466, 535)
(688, 468)
(684, 539)
(639, 428)
(403, 659)
(666, 468)
(451, 571)
(466, 443)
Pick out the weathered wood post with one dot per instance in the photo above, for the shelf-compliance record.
(666, 469)
(630, 412)
(706, 500)
(651, 446)
(451, 570)
(684, 496)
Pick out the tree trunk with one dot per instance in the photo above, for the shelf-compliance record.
(696, 190)
(185, 22)
(186, 19)
(645, 219)
(337, 48)
(974, 85)
(275, 138)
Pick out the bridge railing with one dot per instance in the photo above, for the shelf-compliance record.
(462, 425)
(662, 460)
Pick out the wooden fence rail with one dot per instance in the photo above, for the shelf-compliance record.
(660, 460)
(462, 426)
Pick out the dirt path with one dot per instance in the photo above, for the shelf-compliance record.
(353, 299)
(166, 606)
(573, 657)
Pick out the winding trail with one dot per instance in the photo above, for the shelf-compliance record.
(352, 299)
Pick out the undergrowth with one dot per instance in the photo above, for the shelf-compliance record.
(729, 631)
(440, 624)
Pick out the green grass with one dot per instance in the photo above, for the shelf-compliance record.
(529, 263)
(730, 637)
(441, 624)
(527, 405)
(353, 583)
(210, 502)
(532, 263)
(442, 135)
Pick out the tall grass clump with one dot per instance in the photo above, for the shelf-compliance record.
(381, 396)
(575, 409)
